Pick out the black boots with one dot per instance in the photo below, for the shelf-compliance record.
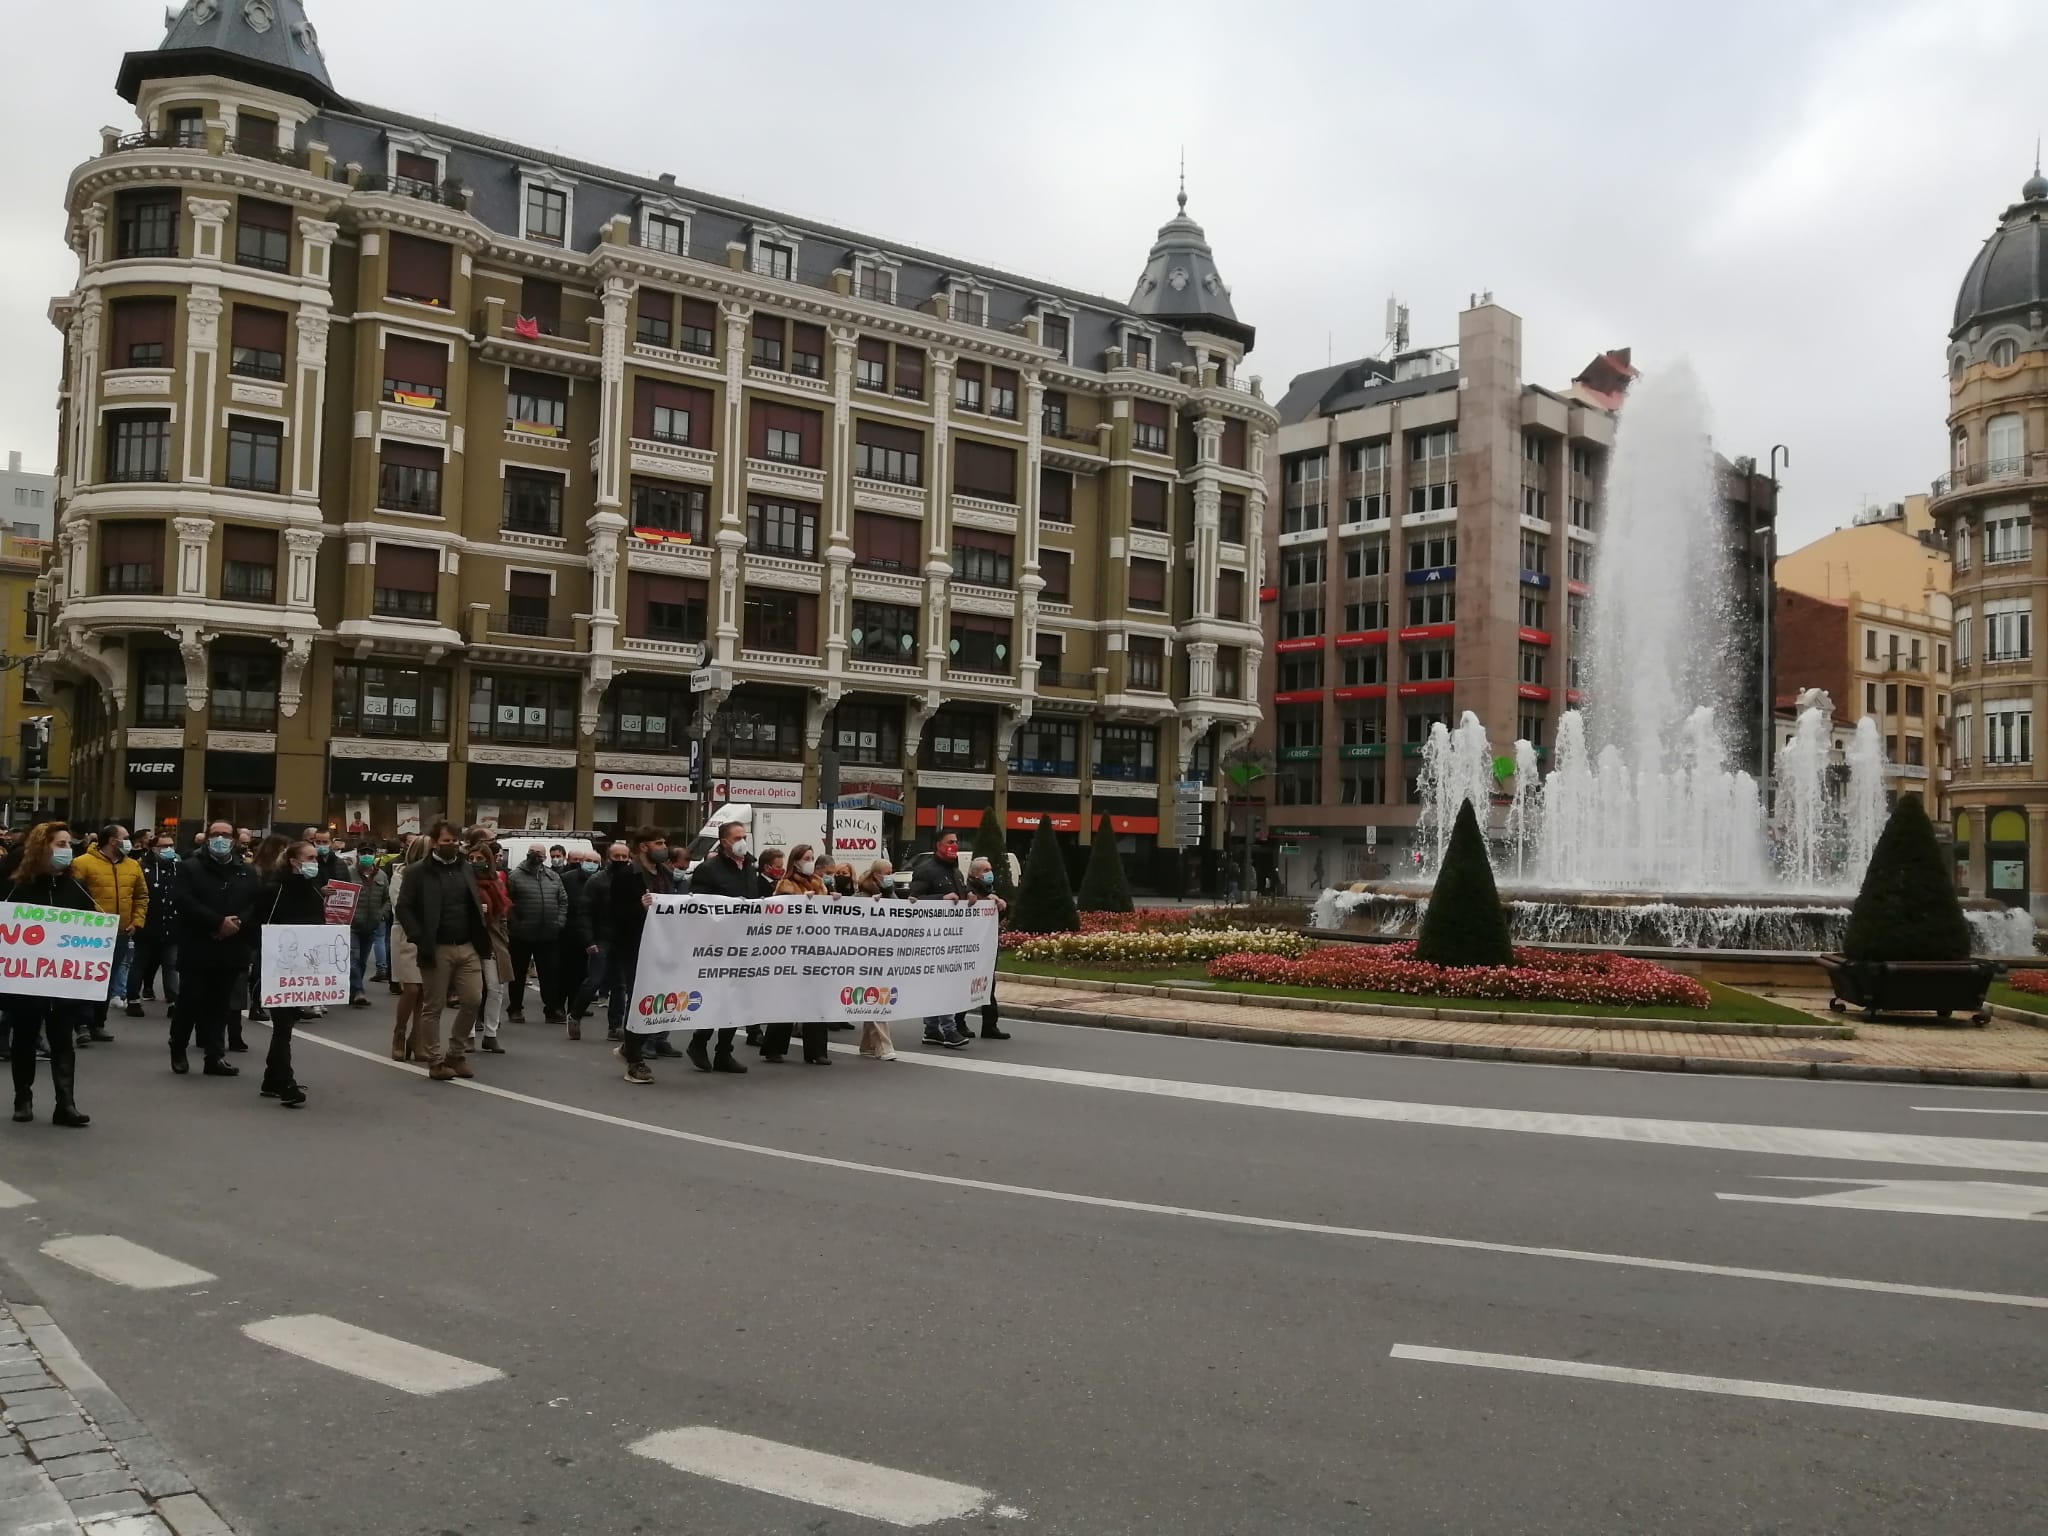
(724, 1061)
(24, 1108)
(63, 1079)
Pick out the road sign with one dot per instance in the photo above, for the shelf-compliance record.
(1372, 836)
(705, 679)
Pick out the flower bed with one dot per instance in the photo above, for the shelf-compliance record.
(1141, 951)
(1536, 975)
(2028, 981)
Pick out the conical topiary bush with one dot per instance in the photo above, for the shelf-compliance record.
(1907, 909)
(990, 843)
(1464, 924)
(1103, 887)
(1045, 901)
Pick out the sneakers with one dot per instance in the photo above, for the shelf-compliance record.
(291, 1096)
(951, 1037)
(615, 1034)
(639, 1072)
(215, 1067)
(359, 1001)
(575, 1030)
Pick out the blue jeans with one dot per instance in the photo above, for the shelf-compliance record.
(124, 955)
(380, 950)
(360, 942)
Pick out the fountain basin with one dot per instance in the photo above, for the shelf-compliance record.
(1779, 921)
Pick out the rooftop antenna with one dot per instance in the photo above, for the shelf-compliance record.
(1397, 326)
(1183, 198)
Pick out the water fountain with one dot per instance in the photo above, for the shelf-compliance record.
(1641, 833)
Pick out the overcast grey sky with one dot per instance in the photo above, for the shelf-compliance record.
(1787, 191)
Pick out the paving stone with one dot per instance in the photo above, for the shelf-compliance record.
(51, 1429)
(154, 1469)
(191, 1515)
(110, 1504)
(65, 1447)
(93, 1484)
(78, 1466)
(31, 1317)
(129, 1525)
(127, 1429)
(27, 1407)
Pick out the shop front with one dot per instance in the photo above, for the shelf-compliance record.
(623, 800)
(510, 797)
(241, 788)
(154, 776)
(393, 798)
(756, 792)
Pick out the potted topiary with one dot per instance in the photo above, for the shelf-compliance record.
(1045, 902)
(1907, 948)
(1103, 887)
(1463, 923)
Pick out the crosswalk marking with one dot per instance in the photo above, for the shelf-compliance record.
(373, 1356)
(120, 1262)
(1727, 1386)
(907, 1499)
(11, 1198)
(1919, 1197)
(1197, 1213)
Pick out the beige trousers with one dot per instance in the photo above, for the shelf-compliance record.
(456, 967)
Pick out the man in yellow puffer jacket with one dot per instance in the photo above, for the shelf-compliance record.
(114, 881)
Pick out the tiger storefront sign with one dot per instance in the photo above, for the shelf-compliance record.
(707, 962)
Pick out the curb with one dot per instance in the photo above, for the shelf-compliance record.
(1814, 1031)
(2013, 1015)
(1552, 1056)
(69, 1445)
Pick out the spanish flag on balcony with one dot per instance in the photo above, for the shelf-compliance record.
(525, 328)
(661, 536)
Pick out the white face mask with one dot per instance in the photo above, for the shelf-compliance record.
(737, 849)
(806, 866)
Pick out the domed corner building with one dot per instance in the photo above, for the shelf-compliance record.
(1987, 505)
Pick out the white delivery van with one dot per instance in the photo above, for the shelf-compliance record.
(856, 835)
(515, 845)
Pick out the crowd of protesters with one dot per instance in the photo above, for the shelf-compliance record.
(439, 917)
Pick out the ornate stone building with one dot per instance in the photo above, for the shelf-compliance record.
(1987, 507)
(405, 470)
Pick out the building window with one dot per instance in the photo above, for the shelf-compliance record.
(884, 632)
(1361, 784)
(1230, 595)
(979, 643)
(2009, 629)
(1147, 654)
(781, 621)
(533, 502)
(1299, 672)
(1533, 611)
(1056, 331)
(1229, 672)
(131, 556)
(406, 583)
(139, 332)
(1002, 394)
(185, 127)
(1535, 449)
(1529, 728)
(1916, 752)
(869, 733)
(253, 451)
(2005, 446)
(1436, 553)
(767, 341)
(644, 718)
(969, 307)
(530, 710)
(665, 233)
(537, 404)
(2008, 731)
(895, 454)
(547, 214)
(263, 235)
(960, 741)
(1364, 667)
(256, 348)
(695, 331)
(244, 691)
(1301, 623)
(1365, 559)
(784, 434)
(1962, 636)
(248, 566)
(1301, 730)
(1433, 608)
(1535, 504)
(1148, 584)
(1148, 504)
(1870, 698)
(1582, 513)
(1532, 666)
(773, 260)
(660, 607)
(2004, 352)
(409, 479)
(1298, 784)
(1441, 496)
(986, 470)
(983, 559)
(967, 387)
(1535, 554)
(540, 302)
(419, 270)
(1303, 494)
(874, 281)
(1128, 752)
(807, 351)
(909, 373)
(1435, 447)
(885, 543)
(1149, 419)
(2008, 539)
(785, 529)
(1049, 748)
(1055, 496)
(1230, 525)
(671, 511)
(1578, 563)
(160, 688)
(138, 445)
(1053, 413)
(871, 364)
(1056, 569)
(415, 373)
(672, 413)
(146, 224)
(1430, 663)
(1416, 727)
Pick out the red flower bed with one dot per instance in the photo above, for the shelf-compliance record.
(2028, 981)
(1536, 975)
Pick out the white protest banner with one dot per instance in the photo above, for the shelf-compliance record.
(710, 963)
(56, 951)
(305, 965)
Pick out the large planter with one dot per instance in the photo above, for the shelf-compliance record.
(1940, 987)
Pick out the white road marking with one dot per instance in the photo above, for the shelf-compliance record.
(1728, 1386)
(1957, 1109)
(1709, 1135)
(1193, 1213)
(12, 1198)
(1919, 1197)
(373, 1356)
(812, 1477)
(121, 1262)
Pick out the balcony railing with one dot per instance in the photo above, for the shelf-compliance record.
(2013, 469)
(534, 625)
(448, 194)
(243, 717)
(276, 154)
(144, 141)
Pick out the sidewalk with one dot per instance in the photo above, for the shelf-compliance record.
(2003, 1054)
(72, 1458)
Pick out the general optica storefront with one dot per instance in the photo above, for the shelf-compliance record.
(624, 800)
(522, 797)
(393, 796)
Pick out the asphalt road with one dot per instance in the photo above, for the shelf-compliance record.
(1142, 1284)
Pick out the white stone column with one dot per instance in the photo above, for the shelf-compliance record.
(611, 412)
(202, 373)
(312, 325)
(839, 550)
(209, 228)
(194, 535)
(732, 536)
(86, 448)
(1031, 583)
(302, 567)
(938, 566)
(1208, 514)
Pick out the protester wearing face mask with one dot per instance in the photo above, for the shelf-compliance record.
(292, 897)
(116, 883)
(600, 976)
(331, 866)
(937, 877)
(214, 892)
(723, 872)
(405, 959)
(572, 944)
(799, 878)
(540, 911)
(373, 911)
(497, 958)
(43, 877)
(981, 880)
(630, 888)
(156, 946)
(442, 913)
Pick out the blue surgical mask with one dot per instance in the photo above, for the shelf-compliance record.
(310, 869)
(61, 857)
(220, 847)
(987, 877)
(167, 854)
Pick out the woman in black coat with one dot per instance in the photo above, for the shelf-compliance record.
(43, 878)
(291, 896)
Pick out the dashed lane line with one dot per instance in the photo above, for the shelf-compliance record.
(120, 1262)
(1194, 1213)
(1727, 1386)
(907, 1499)
(373, 1356)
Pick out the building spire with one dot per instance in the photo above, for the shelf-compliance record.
(1183, 199)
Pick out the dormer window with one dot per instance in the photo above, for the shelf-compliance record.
(186, 127)
(1137, 351)
(874, 279)
(969, 306)
(1057, 331)
(773, 253)
(661, 232)
(546, 207)
(2004, 352)
(409, 165)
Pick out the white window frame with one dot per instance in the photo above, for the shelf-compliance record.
(531, 570)
(2009, 629)
(2019, 524)
(759, 235)
(1046, 308)
(2005, 443)
(964, 298)
(1962, 624)
(2008, 731)
(669, 212)
(1959, 736)
(414, 144)
(542, 176)
(880, 270)
(1123, 336)
(1999, 342)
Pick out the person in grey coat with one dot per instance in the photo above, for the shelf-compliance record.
(540, 911)
(373, 911)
